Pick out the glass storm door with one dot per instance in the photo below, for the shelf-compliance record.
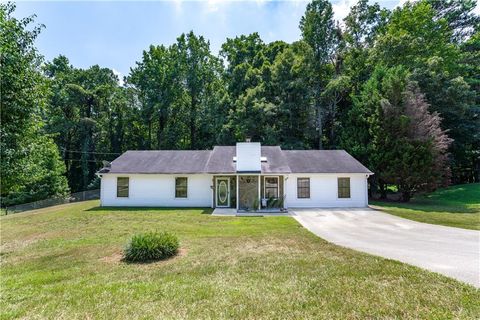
(223, 192)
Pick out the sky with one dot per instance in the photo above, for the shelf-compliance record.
(114, 34)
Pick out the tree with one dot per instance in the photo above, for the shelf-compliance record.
(413, 36)
(466, 166)
(291, 93)
(419, 37)
(363, 24)
(240, 54)
(30, 168)
(256, 110)
(373, 86)
(84, 110)
(321, 32)
(414, 145)
(459, 15)
(201, 83)
(405, 144)
(157, 86)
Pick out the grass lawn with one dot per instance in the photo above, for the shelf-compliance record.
(64, 262)
(456, 206)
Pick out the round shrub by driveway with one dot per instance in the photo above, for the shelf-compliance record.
(151, 246)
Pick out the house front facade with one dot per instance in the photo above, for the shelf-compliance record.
(247, 177)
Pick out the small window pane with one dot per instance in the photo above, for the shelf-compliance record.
(344, 187)
(122, 187)
(271, 187)
(303, 188)
(181, 187)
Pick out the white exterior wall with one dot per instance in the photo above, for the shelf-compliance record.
(324, 191)
(157, 190)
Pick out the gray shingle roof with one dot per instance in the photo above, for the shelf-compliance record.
(220, 160)
(161, 161)
(323, 161)
(276, 160)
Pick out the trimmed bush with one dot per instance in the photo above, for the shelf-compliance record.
(151, 246)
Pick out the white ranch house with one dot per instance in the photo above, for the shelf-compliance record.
(246, 177)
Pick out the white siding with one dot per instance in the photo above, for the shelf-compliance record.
(157, 190)
(248, 156)
(324, 192)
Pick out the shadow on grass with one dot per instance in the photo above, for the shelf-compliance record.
(467, 194)
(128, 209)
(462, 198)
(151, 262)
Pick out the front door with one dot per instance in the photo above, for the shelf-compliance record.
(223, 192)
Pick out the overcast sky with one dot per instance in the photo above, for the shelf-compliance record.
(114, 34)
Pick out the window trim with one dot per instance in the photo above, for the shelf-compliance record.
(265, 186)
(309, 189)
(128, 188)
(175, 188)
(349, 188)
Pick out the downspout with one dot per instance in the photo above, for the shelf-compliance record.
(236, 201)
(285, 204)
(259, 192)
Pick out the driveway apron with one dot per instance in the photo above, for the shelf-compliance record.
(453, 252)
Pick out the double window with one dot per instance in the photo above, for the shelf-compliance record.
(122, 187)
(303, 188)
(181, 187)
(271, 187)
(344, 187)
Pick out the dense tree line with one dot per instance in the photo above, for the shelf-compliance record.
(397, 89)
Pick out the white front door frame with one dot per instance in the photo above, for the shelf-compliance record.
(228, 192)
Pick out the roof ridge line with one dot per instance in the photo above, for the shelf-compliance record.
(208, 161)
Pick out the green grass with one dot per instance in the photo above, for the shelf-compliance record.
(456, 206)
(64, 262)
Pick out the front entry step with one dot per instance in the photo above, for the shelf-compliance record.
(232, 212)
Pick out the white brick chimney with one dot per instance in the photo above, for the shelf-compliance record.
(248, 157)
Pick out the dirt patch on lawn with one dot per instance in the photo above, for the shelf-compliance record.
(117, 258)
(113, 258)
(15, 245)
(272, 245)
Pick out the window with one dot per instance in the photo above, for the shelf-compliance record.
(122, 187)
(344, 187)
(181, 187)
(303, 188)
(271, 187)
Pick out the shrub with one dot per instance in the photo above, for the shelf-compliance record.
(151, 246)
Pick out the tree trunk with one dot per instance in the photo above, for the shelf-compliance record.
(149, 147)
(383, 190)
(332, 126)
(406, 196)
(193, 116)
(320, 126)
(161, 128)
(84, 157)
(476, 170)
(371, 187)
(120, 132)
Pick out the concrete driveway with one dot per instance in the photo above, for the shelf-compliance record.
(450, 251)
